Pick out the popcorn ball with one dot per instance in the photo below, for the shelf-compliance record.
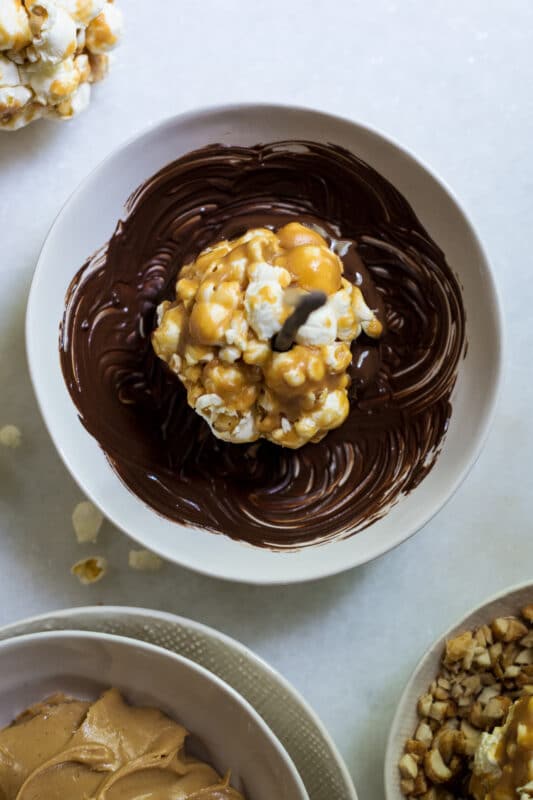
(218, 336)
(51, 51)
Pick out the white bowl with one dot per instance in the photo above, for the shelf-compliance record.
(287, 714)
(405, 719)
(88, 220)
(84, 664)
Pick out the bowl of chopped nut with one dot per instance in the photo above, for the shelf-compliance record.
(464, 724)
(279, 342)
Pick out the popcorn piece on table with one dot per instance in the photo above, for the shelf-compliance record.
(90, 570)
(10, 436)
(87, 521)
(216, 336)
(51, 51)
(144, 561)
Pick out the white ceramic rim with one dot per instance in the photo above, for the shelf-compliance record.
(211, 633)
(93, 636)
(391, 765)
(373, 548)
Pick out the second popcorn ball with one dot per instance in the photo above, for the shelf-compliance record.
(51, 51)
(218, 336)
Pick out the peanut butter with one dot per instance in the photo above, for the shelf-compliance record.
(64, 749)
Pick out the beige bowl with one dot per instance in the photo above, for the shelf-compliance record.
(405, 719)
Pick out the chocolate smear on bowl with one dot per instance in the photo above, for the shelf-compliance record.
(401, 384)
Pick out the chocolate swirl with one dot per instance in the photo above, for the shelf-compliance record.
(401, 385)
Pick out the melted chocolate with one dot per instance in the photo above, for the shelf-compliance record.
(401, 385)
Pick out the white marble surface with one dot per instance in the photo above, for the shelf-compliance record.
(450, 79)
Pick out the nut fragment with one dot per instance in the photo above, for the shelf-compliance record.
(482, 659)
(489, 692)
(425, 702)
(144, 560)
(90, 570)
(508, 629)
(10, 436)
(407, 786)
(457, 648)
(438, 711)
(497, 708)
(87, 521)
(449, 742)
(471, 684)
(471, 737)
(435, 768)
(424, 734)
(420, 787)
(408, 766)
(416, 749)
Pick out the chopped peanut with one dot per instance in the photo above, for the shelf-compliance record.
(508, 629)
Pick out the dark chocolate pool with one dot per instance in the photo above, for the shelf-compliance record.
(401, 385)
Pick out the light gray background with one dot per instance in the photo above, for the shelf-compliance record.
(453, 81)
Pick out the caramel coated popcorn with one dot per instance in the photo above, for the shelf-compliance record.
(51, 51)
(217, 336)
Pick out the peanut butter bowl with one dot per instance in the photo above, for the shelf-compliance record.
(170, 347)
(92, 715)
